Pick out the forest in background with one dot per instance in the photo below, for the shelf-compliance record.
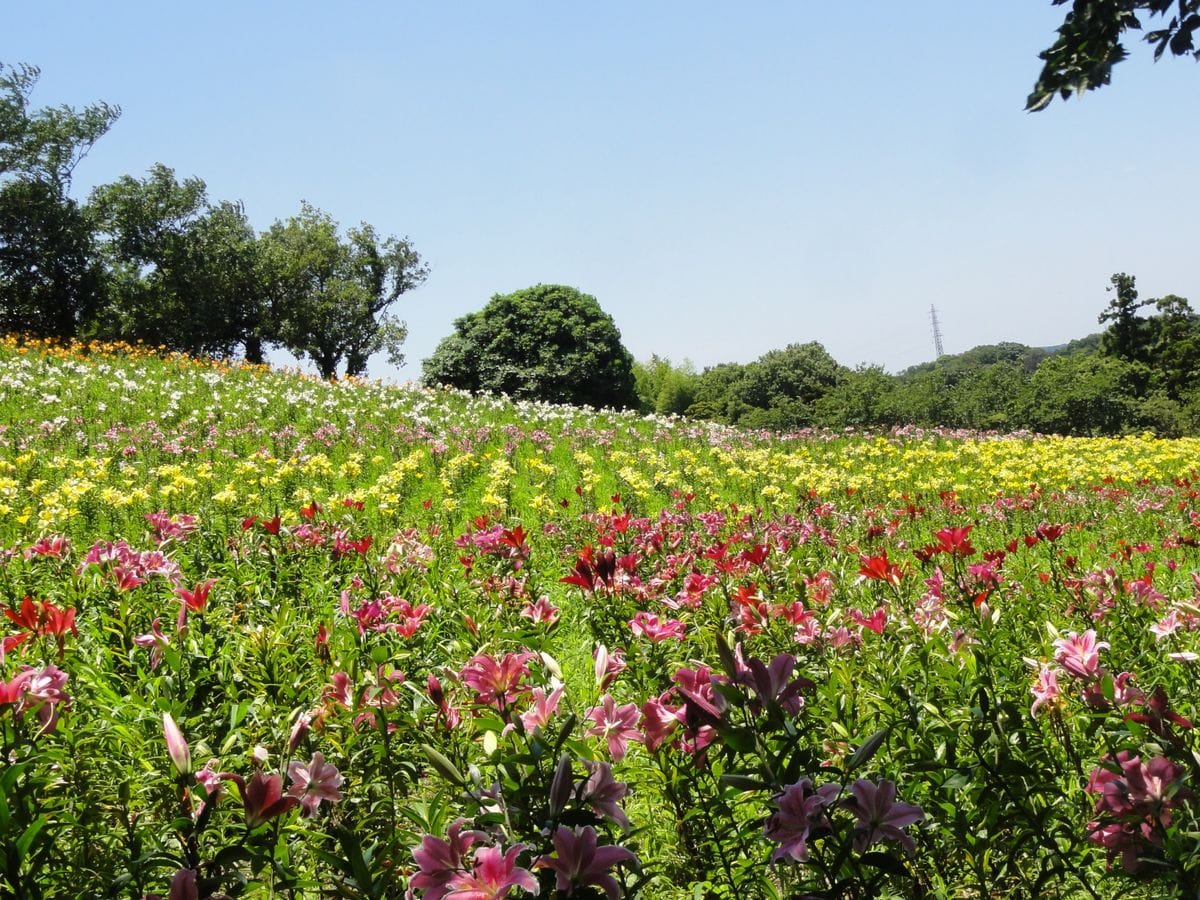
(1138, 374)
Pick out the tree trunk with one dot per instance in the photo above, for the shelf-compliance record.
(327, 364)
(356, 365)
(254, 350)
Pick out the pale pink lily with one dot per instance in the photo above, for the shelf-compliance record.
(155, 640)
(40, 691)
(497, 682)
(1045, 690)
(649, 626)
(660, 720)
(314, 783)
(1079, 654)
(439, 861)
(609, 664)
(616, 724)
(177, 745)
(543, 708)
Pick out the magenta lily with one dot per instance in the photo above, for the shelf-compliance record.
(495, 873)
(577, 861)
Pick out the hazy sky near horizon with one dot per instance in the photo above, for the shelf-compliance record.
(726, 179)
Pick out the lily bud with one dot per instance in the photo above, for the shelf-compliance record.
(299, 730)
(560, 787)
(183, 886)
(177, 746)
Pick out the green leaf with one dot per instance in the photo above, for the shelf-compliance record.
(739, 739)
(725, 654)
(743, 782)
(443, 766)
(867, 750)
(30, 836)
(354, 853)
(237, 713)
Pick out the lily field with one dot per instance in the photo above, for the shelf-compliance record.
(265, 635)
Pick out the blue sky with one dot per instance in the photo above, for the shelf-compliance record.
(725, 178)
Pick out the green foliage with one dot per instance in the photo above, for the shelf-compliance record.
(713, 398)
(154, 260)
(663, 388)
(49, 282)
(864, 398)
(1089, 43)
(1127, 336)
(182, 273)
(1083, 395)
(1136, 375)
(548, 342)
(328, 294)
(777, 391)
(47, 144)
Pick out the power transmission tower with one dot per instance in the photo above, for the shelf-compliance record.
(937, 331)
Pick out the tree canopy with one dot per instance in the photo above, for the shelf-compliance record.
(548, 342)
(50, 281)
(1090, 42)
(45, 145)
(329, 295)
(153, 259)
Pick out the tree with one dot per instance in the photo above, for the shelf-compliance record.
(779, 389)
(49, 279)
(1089, 43)
(143, 228)
(714, 390)
(549, 342)
(1175, 345)
(329, 295)
(1083, 394)
(1127, 337)
(664, 388)
(45, 145)
(183, 273)
(862, 399)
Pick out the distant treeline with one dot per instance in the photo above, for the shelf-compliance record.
(1139, 374)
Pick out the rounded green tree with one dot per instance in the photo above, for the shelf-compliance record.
(548, 342)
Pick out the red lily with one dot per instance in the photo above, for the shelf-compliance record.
(955, 541)
(263, 797)
(880, 568)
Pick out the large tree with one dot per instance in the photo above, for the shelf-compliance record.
(329, 295)
(1128, 334)
(548, 342)
(778, 390)
(49, 280)
(183, 273)
(1090, 42)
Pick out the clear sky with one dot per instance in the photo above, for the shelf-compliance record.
(725, 178)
